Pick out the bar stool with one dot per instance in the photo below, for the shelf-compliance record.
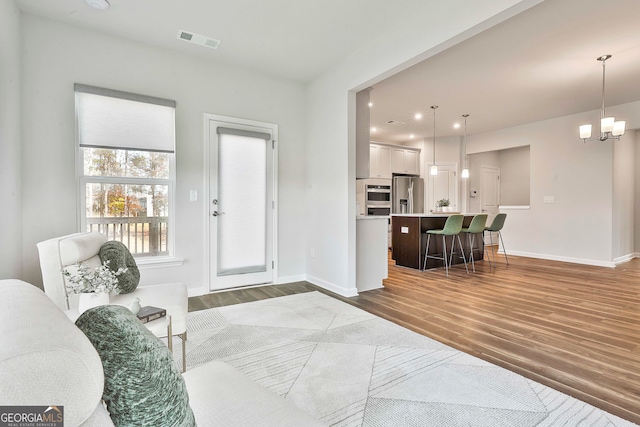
(452, 227)
(496, 227)
(477, 226)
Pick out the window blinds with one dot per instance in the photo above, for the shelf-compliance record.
(120, 120)
(238, 132)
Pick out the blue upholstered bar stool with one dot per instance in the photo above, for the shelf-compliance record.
(477, 226)
(496, 227)
(452, 227)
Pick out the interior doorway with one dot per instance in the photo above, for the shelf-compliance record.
(490, 193)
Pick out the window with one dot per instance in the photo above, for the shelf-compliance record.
(127, 168)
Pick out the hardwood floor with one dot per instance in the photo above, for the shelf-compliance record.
(572, 327)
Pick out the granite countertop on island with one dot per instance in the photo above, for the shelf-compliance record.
(429, 215)
(372, 216)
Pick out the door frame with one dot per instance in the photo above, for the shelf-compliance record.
(207, 119)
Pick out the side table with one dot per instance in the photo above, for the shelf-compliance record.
(157, 327)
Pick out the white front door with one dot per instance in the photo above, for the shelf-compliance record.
(490, 190)
(241, 202)
(443, 186)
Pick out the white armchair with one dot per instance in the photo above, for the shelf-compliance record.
(60, 252)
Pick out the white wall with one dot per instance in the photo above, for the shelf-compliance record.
(10, 147)
(330, 144)
(515, 170)
(56, 56)
(578, 226)
(636, 209)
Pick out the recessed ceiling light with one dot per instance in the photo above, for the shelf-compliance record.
(98, 4)
(418, 116)
(456, 125)
(371, 104)
(412, 136)
(373, 129)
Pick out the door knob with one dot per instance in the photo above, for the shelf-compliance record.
(216, 213)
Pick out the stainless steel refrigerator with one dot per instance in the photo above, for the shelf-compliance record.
(408, 194)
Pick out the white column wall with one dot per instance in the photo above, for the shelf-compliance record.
(624, 167)
(636, 205)
(330, 143)
(56, 56)
(10, 147)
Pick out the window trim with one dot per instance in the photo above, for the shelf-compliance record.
(146, 262)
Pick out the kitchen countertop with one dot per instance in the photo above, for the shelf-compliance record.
(431, 214)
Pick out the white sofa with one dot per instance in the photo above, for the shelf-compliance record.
(46, 360)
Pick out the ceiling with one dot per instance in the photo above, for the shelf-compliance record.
(535, 66)
(292, 39)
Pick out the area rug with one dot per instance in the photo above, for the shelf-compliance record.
(347, 367)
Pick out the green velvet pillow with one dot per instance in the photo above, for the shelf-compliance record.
(142, 385)
(119, 257)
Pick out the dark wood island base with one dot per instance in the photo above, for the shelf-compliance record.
(408, 240)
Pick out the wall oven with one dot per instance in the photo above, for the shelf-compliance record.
(374, 196)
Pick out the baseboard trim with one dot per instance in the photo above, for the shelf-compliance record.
(195, 292)
(625, 258)
(199, 291)
(290, 279)
(348, 293)
(584, 261)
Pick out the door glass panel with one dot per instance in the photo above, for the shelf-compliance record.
(242, 200)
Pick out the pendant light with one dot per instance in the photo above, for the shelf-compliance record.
(465, 170)
(434, 168)
(609, 127)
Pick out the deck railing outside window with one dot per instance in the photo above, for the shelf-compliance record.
(144, 236)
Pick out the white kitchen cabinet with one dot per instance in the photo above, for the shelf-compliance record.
(379, 161)
(406, 160)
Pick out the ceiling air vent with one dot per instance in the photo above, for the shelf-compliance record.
(198, 39)
(395, 123)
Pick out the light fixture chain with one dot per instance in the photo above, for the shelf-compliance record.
(434, 168)
(434, 133)
(604, 60)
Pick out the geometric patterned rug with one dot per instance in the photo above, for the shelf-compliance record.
(347, 367)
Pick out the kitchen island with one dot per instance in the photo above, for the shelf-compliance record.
(408, 239)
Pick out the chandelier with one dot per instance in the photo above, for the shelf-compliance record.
(609, 127)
